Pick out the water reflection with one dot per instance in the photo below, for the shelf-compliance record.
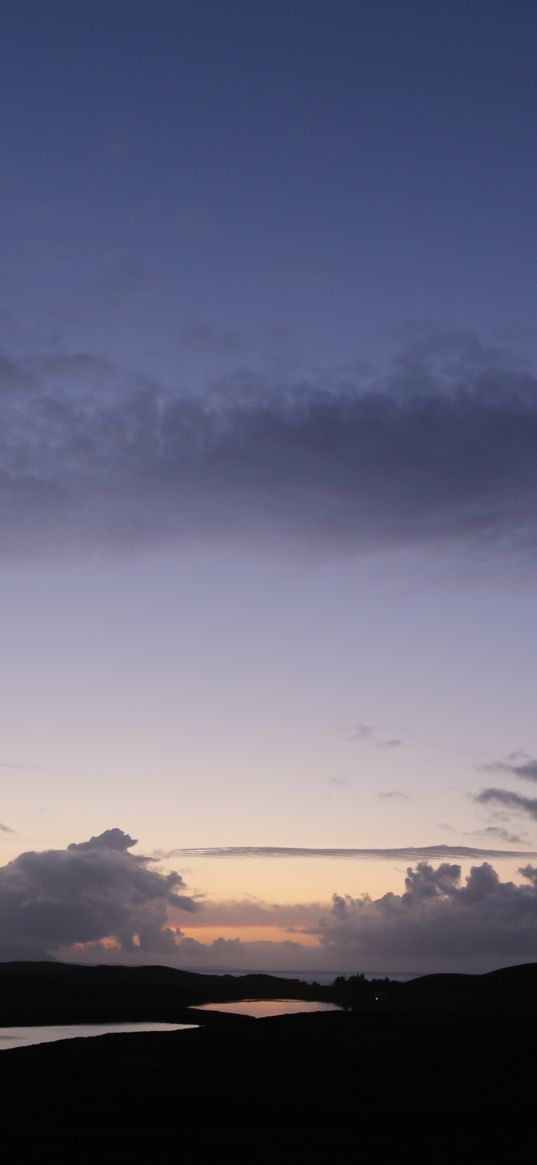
(22, 1037)
(263, 1008)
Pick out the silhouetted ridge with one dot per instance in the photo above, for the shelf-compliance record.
(506, 982)
(49, 992)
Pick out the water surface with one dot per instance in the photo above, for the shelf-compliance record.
(22, 1037)
(263, 1008)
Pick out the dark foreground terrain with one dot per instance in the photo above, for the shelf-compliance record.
(441, 1069)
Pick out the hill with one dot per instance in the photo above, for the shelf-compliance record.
(438, 1068)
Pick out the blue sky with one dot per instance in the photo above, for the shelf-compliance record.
(268, 485)
(261, 169)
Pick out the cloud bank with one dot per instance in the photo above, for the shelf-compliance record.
(438, 922)
(437, 919)
(88, 892)
(442, 448)
(97, 901)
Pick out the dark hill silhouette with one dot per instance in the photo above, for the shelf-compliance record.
(50, 992)
(506, 987)
(520, 978)
(386, 1083)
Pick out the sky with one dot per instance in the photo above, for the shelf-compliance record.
(268, 483)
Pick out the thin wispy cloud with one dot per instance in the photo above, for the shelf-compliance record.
(403, 853)
(497, 831)
(508, 800)
(361, 732)
(16, 765)
(372, 732)
(518, 764)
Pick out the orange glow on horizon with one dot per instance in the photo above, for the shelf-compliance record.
(248, 934)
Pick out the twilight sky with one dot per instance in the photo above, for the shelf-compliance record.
(268, 483)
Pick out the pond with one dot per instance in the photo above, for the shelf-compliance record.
(23, 1037)
(264, 1008)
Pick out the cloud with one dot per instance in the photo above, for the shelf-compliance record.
(111, 839)
(245, 912)
(437, 919)
(371, 731)
(440, 449)
(501, 834)
(90, 891)
(394, 794)
(518, 763)
(5, 828)
(362, 732)
(509, 801)
(403, 853)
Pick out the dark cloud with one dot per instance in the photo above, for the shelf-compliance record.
(90, 891)
(394, 794)
(518, 763)
(437, 918)
(5, 828)
(528, 770)
(114, 839)
(509, 801)
(403, 853)
(443, 448)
